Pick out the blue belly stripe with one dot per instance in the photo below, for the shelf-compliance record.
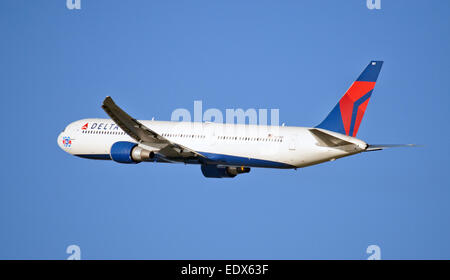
(95, 156)
(213, 158)
(243, 161)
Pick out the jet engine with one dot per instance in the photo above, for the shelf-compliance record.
(128, 152)
(214, 171)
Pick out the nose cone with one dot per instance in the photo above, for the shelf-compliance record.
(60, 141)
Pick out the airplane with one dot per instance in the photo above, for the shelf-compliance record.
(226, 150)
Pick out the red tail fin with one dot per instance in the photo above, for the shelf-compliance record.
(347, 115)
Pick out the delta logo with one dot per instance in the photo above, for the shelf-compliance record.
(84, 127)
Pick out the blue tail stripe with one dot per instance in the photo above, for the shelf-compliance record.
(355, 110)
(333, 121)
(370, 74)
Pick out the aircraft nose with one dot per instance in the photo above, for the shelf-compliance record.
(60, 141)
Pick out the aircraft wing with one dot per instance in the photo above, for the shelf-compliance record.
(143, 135)
(379, 147)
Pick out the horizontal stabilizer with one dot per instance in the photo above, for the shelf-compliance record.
(328, 140)
(379, 147)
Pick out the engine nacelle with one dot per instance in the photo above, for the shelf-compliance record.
(233, 171)
(128, 152)
(213, 171)
(138, 154)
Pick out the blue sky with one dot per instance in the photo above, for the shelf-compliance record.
(57, 65)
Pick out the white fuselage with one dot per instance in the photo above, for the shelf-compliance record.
(229, 144)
